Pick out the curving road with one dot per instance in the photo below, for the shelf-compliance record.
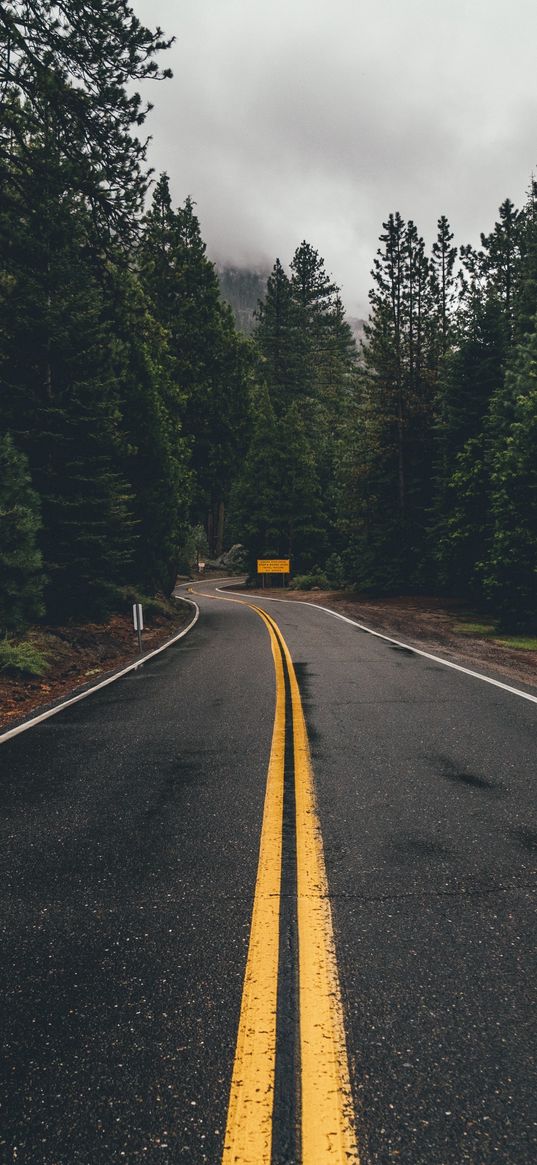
(131, 827)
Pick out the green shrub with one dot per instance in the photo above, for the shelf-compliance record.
(329, 579)
(21, 659)
(306, 582)
(152, 604)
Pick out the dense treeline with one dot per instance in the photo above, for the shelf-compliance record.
(134, 416)
(440, 481)
(124, 383)
(284, 502)
(414, 466)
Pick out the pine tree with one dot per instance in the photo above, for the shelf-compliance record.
(277, 500)
(509, 571)
(443, 281)
(211, 362)
(389, 517)
(525, 297)
(308, 359)
(501, 261)
(470, 373)
(21, 577)
(282, 341)
(60, 405)
(304, 535)
(385, 335)
(154, 453)
(312, 286)
(256, 499)
(462, 534)
(322, 331)
(73, 68)
(375, 554)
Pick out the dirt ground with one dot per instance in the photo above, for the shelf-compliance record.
(80, 656)
(427, 623)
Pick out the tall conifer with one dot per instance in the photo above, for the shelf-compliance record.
(210, 360)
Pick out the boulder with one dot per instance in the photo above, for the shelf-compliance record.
(234, 557)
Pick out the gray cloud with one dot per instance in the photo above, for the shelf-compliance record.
(291, 119)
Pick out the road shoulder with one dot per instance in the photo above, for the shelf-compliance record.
(28, 706)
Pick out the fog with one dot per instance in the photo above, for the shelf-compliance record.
(293, 119)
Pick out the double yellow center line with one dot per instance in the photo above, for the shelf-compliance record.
(326, 1134)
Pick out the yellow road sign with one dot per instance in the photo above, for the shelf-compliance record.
(273, 565)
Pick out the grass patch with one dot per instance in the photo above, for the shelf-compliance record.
(490, 631)
(520, 642)
(22, 659)
(465, 628)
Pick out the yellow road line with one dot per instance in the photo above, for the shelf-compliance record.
(327, 1121)
(248, 1138)
(328, 1134)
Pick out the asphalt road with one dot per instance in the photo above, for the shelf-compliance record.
(130, 837)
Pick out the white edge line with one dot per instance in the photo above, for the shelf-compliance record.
(202, 582)
(417, 650)
(103, 684)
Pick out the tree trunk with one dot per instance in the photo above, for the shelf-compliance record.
(210, 532)
(219, 532)
(401, 457)
(215, 528)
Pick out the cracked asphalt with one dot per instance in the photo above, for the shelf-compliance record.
(130, 830)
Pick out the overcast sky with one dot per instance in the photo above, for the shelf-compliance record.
(292, 119)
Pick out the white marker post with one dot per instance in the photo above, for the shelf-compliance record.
(138, 620)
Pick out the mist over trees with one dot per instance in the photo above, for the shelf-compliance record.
(242, 289)
(137, 421)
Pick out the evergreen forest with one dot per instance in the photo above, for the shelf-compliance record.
(135, 413)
